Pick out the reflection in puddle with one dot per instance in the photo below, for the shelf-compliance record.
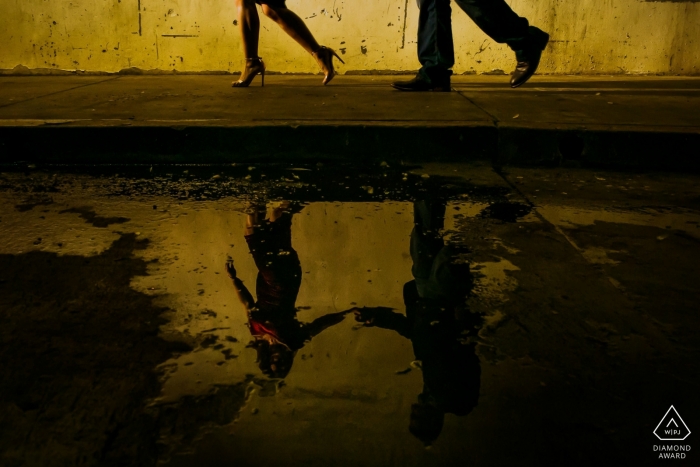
(376, 318)
(354, 308)
(272, 316)
(437, 323)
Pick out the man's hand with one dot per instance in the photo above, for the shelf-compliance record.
(230, 269)
(365, 315)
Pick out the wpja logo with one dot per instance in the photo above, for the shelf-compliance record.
(672, 428)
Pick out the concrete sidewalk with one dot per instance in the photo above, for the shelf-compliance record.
(648, 122)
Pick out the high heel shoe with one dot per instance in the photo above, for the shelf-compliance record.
(253, 67)
(324, 57)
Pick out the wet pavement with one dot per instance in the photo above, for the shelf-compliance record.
(444, 314)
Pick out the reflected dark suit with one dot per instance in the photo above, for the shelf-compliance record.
(434, 322)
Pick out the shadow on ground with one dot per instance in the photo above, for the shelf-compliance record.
(78, 350)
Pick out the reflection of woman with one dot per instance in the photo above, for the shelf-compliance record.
(272, 319)
(290, 23)
(434, 321)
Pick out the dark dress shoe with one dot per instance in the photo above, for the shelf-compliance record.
(529, 58)
(419, 83)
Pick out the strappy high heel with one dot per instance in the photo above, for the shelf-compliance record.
(253, 67)
(324, 57)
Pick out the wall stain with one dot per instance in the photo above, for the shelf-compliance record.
(482, 47)
(403, 32)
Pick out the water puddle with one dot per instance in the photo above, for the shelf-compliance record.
(312, 308)
(306, 316)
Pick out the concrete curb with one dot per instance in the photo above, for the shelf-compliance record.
(76, 142)
(223, 144)
(614, 148)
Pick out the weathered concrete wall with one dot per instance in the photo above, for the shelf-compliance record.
(588, 36)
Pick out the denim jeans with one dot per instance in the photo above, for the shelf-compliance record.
(437, 276)
(435, 46)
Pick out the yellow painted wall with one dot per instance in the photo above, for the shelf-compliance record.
(588, 36)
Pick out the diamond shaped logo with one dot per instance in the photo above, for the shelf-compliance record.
(672, 427)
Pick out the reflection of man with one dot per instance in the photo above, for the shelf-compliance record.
(434, 322)
(272, 319)
(494, 17)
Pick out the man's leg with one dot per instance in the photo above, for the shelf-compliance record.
(435, 48)
(503, 25)
(497, 20)
(426, 239)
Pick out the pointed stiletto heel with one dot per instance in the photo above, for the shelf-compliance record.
(253, 66)
(324, 57)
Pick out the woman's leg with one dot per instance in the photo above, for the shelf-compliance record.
(297, 30)
(255, 218)
(292, 25)
(249, 24)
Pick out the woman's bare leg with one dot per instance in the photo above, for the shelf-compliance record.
(280, 210)
(256, 214)
(249, 24)
(297, 30)
(292, 25)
